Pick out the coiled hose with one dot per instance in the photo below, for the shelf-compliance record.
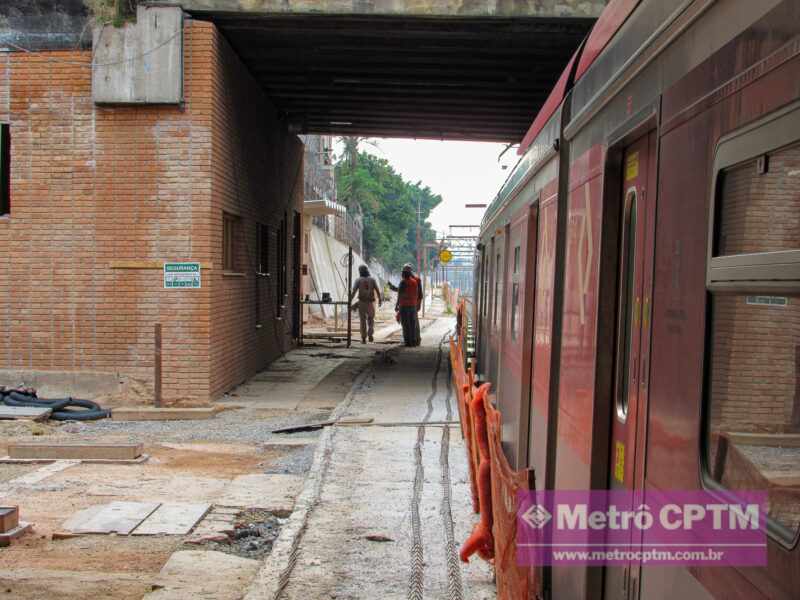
(87, 410)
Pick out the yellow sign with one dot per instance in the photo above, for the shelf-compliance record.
(619, 462)
(632, 166)
(445, 256)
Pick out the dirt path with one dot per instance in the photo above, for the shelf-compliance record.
(381, 527)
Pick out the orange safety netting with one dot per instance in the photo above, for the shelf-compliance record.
(513, 582)
(494, 484)
(481, 540)
(462, 382)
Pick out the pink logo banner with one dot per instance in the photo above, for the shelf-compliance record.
(617, 527)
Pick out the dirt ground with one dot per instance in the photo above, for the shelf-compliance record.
(189, 461)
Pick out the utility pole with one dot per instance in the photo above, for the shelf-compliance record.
(419, 235)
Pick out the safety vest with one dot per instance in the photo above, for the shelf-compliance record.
(409, 293)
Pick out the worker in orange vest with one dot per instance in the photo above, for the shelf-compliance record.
(409, 302)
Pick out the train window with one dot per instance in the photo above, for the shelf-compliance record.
(515, 295)
(754, 398)
(627, 303)
(752, 409)
(759, 205)
(495, 302)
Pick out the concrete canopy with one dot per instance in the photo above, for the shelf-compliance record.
(440, 69)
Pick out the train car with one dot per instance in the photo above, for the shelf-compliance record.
(638, 281)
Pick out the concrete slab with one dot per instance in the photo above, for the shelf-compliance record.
(176, 518)
(7, 460)
(74, 450)
(31, 479)
(204, 574)
(13, 413)
(116, 517)
(275, 493)
(16, 532)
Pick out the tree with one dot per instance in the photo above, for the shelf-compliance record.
(388, 202)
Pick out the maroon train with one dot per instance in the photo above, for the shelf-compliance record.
(637, 301)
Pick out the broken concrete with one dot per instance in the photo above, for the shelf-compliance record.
(275, 493)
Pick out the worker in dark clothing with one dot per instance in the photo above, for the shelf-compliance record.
(409, 302)
(367, 289)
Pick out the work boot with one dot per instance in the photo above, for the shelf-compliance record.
(363, 341)
(370, 339)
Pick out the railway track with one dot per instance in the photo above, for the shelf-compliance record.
(416, 587)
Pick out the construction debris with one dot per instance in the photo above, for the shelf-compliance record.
(321, 424)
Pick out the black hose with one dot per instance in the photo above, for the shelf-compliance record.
(80, 415)
(90, 411)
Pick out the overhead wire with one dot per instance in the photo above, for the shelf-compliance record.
(93, 65)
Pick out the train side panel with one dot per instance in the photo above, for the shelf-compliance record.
(698, 367)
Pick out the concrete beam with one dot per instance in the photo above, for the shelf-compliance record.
(405, 8)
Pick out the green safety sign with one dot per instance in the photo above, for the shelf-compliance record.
(181, 275)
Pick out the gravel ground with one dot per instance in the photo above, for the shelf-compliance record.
(240, 425)
(251, 423)
(295, 462)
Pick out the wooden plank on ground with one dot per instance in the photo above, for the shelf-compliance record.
(162, 414)
(782, 440)
(30, 413)
(74, 450)
(321, 424)
(9, 518)
(176, 518)
(116, 517)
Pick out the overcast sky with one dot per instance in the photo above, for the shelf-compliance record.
(462, 172)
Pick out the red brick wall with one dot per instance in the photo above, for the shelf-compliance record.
(258, 177)
(94, 186)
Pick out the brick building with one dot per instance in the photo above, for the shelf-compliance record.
(100, 197)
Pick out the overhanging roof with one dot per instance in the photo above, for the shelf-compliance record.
(476, 78)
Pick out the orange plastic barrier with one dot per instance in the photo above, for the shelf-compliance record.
(481, 540)
(513, 582)
(463, 386)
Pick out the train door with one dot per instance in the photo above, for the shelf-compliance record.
(516, 347)
(499, 243)
(635, 284)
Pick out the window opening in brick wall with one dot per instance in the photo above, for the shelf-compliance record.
(5, 169)
(230, 242)
(752, 403)
(263, 249)
(281, 283)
